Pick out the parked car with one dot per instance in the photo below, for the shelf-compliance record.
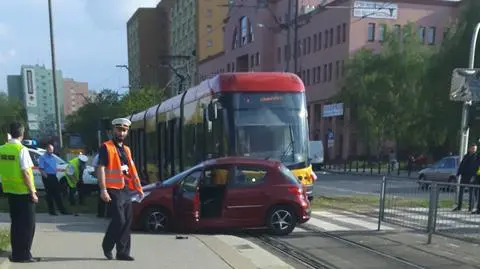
(443, 171)
(230, 192)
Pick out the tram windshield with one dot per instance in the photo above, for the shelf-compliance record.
(271, 125)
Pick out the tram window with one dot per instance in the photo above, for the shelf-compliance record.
(165, 150)
(159, 149)
(200, 142)
(208, 132)
(171, 146)
(189, 144)
(141, 149)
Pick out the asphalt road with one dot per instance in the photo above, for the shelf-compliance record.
(331, 184)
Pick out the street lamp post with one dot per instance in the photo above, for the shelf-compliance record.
(54, 76)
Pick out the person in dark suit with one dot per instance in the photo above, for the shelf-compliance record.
(467, 171)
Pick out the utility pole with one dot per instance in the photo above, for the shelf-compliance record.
(54, 76)
(289, 43)
(295, 38)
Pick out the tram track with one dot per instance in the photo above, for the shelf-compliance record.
(308, 260)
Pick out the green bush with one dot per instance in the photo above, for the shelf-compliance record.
(4, 240)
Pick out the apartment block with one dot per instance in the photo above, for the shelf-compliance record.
(329, 33)
(148, 39)
(34, 88)
(75, 95)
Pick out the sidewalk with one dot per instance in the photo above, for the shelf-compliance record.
(75, 242)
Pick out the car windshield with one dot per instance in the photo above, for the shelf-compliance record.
(281, 118)
(173, 180)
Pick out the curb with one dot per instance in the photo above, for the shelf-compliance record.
(4, 262)
(225, 252)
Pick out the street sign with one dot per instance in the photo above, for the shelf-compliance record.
(465, 85)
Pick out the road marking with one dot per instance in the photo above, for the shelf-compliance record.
(355, 221)
(327, 226)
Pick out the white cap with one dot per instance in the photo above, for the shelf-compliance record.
(122, 122)
(83, 158)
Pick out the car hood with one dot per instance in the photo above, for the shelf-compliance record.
(425, 170)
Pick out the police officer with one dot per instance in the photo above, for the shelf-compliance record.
(17, 182)
(75, 169)
(117, 175)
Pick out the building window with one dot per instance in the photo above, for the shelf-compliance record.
(337, 69)
(252, 60)
(331, 37)
(344, 32)
(382, 28)
(286, 50)
(319, 74)
(330, 71)
(209, 13)
(209, 28)
(339, 37)
(326, 39)
(421, 34)
(319, 40)
(243, 30)
(446, 32)
(314, 75)
(371, 32)
(315, 42)
(235, 39)
(257, 59)
(396, 30)
(209, 43)
(303, 76)
(279, 55)
(233, 67)
(343, 68)
(251, 36)
(228, 67)
(325, 70)
(431, 35)
(304, 47)
(309, 43)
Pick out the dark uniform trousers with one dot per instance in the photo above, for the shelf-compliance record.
(118, 231)
(52, 187)
(22, 228)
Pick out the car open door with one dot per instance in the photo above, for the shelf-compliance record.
(187, 201)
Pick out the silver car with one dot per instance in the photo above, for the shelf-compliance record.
(444, 170)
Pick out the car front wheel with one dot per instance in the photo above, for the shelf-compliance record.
(156, 220)
(281, 220)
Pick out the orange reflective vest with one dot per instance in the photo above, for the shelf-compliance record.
(114, 176)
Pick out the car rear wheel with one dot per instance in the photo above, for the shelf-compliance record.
(156, 220)
(281, 220)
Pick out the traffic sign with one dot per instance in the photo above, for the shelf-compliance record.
(465, 85)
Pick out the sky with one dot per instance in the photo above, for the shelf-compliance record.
(90, 38)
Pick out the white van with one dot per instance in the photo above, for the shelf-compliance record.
(316, 154)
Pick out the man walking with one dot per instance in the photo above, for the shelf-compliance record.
(117, 175)
(74, 174)
(17, 182)
(48, 168)
(467, 171)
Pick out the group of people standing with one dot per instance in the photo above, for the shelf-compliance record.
(469, 172)
(117, 177)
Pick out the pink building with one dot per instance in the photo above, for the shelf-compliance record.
(327, 36)
(75, 95)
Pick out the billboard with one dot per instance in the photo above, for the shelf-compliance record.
(465, 85)
(375, 10)
(29, 87)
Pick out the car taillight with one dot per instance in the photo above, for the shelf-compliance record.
(295, 190)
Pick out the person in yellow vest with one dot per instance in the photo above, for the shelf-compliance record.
(74, 175)
(17, 183)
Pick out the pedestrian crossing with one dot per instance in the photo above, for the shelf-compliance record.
(415, 217)
(462, 222)
(337, 221)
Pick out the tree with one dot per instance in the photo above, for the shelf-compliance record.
(109, 104)
(443, 116)
(11, 110)
(382, 89)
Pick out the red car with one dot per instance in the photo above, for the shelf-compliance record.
(230, 192)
